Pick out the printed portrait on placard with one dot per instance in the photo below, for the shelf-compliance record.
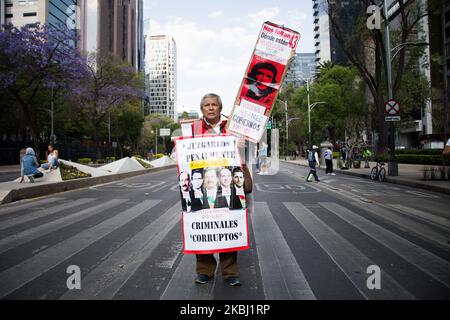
(262, 81)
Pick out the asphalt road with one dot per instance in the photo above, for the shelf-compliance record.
(324, 240)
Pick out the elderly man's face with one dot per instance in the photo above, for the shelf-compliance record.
(211, 110)
(225, 178)
(238, 179)
(184, 181)
(210, 180)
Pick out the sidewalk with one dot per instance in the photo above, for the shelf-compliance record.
(410, 175)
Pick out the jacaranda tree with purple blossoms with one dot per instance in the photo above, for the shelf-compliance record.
(36, 59)
(111, 84)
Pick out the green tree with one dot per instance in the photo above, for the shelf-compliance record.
(366, 51)
(111, 83)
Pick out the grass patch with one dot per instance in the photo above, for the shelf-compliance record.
(70, 173)
(144, 164)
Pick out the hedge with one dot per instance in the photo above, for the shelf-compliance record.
(420, 159)
(421, 152)
(84, 160)
(143, 163)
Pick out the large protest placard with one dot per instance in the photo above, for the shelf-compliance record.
(213, 202)
(263, 77)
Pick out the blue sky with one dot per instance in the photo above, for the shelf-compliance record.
(215, 40)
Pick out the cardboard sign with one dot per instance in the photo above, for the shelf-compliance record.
(265, 73)
(213, 202)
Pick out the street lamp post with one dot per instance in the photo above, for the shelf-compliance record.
(392, 164)
(309, 110)
(287, 128)
(310, 107)
(52, 134)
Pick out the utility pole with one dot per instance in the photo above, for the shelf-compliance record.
(287, 129)
(309, 115)
(392, 164)
(52, 136)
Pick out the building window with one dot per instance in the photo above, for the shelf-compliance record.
(9, 15)
(29, 14)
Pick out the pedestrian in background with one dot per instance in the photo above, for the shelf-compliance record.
(313, 161)
(328, 156)
(263, 159)
(52, 158)
(30, 165)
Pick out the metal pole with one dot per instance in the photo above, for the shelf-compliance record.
(309, 115)
(109, 133)
(109, 127)
(156, 141)
(52, 140)
(444, 73)
(392, 164)
(287, 129)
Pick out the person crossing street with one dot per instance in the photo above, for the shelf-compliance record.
(313, 161)
(328, 156)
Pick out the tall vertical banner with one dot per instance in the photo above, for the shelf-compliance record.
(265, 72)
(213, 202)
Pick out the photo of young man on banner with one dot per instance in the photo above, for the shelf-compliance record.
(273, 52)
(262, 81)
(213, 202)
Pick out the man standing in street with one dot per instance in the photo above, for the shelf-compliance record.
(313, 161)
(214, 123)
(328, 156)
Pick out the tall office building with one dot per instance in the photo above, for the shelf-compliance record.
(161, 74)
(302, 67)
(56, 13)
(114, 26)
(322, 40)
(325, 42)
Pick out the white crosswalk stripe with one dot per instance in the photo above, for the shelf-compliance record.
(282, 277)
(434, 266)
(181, 285)
(43, 229)
(43, 213)
(17, 276)
(107, 278)
(441, 221)
(420, 229)
(351, 260)
(15, 207)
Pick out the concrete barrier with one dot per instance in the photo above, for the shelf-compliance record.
(36, 190)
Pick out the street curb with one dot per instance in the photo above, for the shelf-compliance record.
(399, 181)
(37, 190)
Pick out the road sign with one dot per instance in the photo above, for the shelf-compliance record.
(164, 132)
(269, 124)
(392, 110)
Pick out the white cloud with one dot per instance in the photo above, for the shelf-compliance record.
(266, 14)
(216, 14)
(296, 20)
(209, 59)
